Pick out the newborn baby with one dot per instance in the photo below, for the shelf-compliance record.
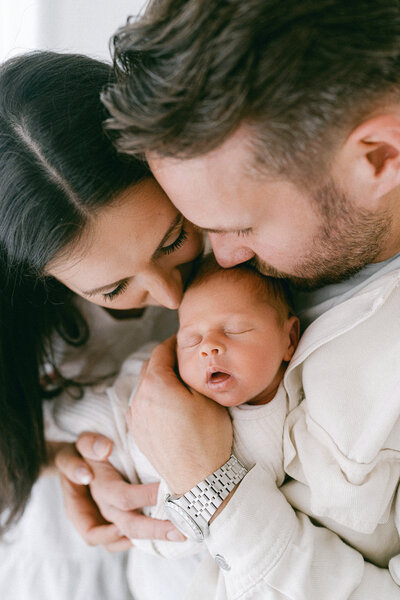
(235, 339)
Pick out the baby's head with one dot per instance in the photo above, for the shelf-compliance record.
(236, 334)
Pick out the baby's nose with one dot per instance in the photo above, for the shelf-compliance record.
(211, 348)
(210, 351)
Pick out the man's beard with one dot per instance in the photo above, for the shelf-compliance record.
(348, 239)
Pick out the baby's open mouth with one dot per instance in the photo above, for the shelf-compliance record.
(216, 375)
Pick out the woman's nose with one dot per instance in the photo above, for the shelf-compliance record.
(165, 287)
(211, 347)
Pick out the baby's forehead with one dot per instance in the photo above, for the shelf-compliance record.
(220, 288)
(240, 283)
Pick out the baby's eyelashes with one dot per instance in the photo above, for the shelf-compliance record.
(188, 341)
(237, 331)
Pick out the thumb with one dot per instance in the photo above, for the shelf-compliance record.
(164, 355)
(94, 446)
(142, 373)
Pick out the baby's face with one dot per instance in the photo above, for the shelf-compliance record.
(230, 343)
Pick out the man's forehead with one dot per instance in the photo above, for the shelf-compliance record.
(209, 204)
(223, 166)
(238, 144)
(214, 191)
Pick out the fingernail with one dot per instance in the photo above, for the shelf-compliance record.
(175, 536)
(83, 475)
(101, 448)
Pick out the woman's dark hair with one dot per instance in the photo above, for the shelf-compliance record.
(57, 168)
(300, 74)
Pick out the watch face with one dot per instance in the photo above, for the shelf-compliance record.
(183, 521)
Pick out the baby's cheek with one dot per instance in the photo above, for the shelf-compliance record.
(187, 369)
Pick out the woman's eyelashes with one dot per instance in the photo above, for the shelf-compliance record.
(177, 243)
(172, 247)
(121, 287)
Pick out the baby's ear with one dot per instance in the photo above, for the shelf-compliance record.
(292, 329)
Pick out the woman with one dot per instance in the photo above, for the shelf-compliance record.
(75, 219)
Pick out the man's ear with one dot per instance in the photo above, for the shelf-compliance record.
(292, 327)
(369, 160)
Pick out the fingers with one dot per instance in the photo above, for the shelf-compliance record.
(72, 466)
(85, 517)
(142, 375)
(110, 489)
(161, 366)
(164, 355)
(79, 505)
(108, 514)
(120, 502)
(120, 546)
(137, 526)
(143, 372)
(94, 446)
(125, 496)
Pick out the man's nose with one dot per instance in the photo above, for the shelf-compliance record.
(229, 250)
(211, 346)
(165, 287)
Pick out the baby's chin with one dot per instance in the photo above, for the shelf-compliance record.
(228, 403)
(227, 392)
(225, 399)
(237, 397)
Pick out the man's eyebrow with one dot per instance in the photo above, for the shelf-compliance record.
(109, 286)
(227, 230)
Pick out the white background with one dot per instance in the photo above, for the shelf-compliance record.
(66, 25)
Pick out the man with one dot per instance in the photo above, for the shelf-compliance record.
(275, 126)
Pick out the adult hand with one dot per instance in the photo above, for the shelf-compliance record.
(80, 507)
(107, 511)
(184, 435)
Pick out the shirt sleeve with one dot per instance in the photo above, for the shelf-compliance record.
(394, 563)
(266, 549)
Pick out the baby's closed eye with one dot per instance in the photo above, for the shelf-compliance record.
(188, 341)
(237, 330)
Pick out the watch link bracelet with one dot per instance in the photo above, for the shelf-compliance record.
(192, 512)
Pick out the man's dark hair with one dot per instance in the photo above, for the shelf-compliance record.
(300, 74)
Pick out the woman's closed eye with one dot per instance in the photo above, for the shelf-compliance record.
(179, 240)
(177, 243)
(121, 287)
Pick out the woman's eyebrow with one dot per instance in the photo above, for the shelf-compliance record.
(176, 221)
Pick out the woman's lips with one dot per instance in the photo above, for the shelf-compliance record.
(219, 379)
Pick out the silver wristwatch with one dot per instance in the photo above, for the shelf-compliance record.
(191, 513)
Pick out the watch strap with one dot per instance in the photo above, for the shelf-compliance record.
(202, 501)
